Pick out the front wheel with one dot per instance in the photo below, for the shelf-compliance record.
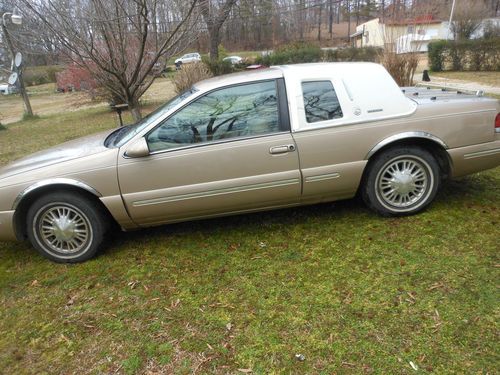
(66, 227)
(401, 181)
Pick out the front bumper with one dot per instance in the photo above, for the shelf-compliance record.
(7, 232)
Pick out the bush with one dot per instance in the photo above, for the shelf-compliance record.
(218, 67)
(372, 54)
(222, 52)
(2, 127)
(293, 53)
(307, 53)
(401, 67)
(475, 54)
(435, 55)
(189, 75)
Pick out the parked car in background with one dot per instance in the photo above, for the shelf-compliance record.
(6, 89)
(188, 58)
(251, 141)
(234, 60)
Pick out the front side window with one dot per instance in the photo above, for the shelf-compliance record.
(320, 101)
(237, 111)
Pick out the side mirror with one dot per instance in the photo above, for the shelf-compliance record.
(138, 149)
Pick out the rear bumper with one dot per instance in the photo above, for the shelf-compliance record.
(7, 232)
(470, 159)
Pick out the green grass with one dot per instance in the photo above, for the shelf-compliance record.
(352, 292)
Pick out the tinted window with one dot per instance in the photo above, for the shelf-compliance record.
(237, 111)
(320, 101)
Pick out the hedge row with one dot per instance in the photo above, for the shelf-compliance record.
(476, 54)
(305, 53)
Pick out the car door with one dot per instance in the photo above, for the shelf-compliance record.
(227, 151)
(329, 165)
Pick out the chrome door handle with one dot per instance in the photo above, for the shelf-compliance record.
(281, 149)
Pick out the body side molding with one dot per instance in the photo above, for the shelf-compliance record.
(405, 135)
(54, 181)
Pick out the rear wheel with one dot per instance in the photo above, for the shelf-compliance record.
(66, 227)
(401, 181)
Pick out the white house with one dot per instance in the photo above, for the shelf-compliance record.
(411, 35)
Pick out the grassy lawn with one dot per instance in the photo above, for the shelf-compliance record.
(486, 78)
(350, 291)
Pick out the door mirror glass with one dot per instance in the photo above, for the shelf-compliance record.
(138, 149)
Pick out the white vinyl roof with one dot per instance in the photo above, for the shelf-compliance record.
(366, 92)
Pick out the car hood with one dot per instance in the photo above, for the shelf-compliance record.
(75, 149)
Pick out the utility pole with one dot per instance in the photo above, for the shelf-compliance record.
(451, 20)
(10, 46)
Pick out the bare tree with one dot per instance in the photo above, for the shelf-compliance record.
(214, 16)
(467, 18)
(117, 41)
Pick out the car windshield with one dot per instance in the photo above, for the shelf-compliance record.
(122, 135)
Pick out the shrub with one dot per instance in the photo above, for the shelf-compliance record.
(435, 55)
(476, 54)
(372, 54)
(222, 52)
(292, 53)
(2, 127)
(218, 67)
(306, 53)
(401, 67)
(189, 75)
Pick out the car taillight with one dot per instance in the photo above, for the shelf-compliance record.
(497, 123)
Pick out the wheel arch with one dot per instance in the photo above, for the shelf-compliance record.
(435, 145)
(29, 195)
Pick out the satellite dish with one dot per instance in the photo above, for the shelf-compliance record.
(18, 59)
(12, 78)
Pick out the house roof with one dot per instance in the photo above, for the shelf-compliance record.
(357, 33)
(420, 20)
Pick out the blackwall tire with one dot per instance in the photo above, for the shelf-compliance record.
(66, 227)
(401, 181)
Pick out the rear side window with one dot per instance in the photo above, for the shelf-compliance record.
(320, 101)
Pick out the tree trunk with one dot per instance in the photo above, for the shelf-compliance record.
(27, 105)
(135, 110)
(330, 19)
(319, 22)
(214, 36)
(301, 19)
(348, 21)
